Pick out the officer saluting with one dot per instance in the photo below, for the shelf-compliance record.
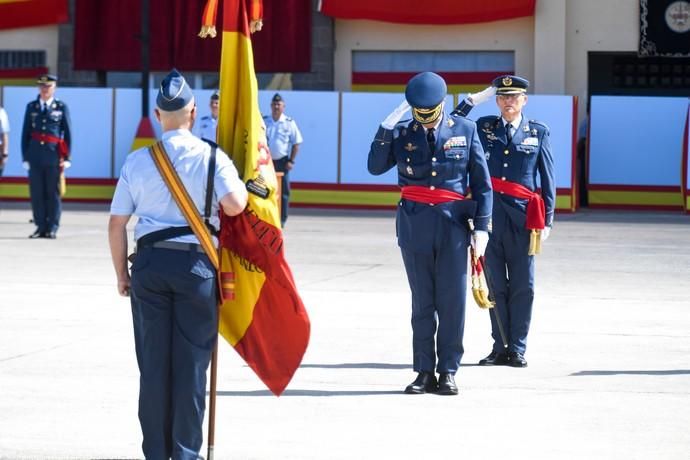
(517, 148)
(437, 159)
(207, 125)
(46, 140)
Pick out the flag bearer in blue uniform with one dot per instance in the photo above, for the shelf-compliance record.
(437, 159)
(173, 283)
(46, 141)
(517, 149)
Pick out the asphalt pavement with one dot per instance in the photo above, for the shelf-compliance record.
(608, 352)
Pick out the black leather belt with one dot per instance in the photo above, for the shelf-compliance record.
(178, 246)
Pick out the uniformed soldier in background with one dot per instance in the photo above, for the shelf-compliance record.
(517, 149)
(46, 141)
(206, 126)
(173, 284)
(284, 139)
(437, 158)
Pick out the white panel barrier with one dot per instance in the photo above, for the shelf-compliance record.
(557, 113)
(636, 140)
(362, 114)
(91, 128)
(316, 115)
(104, 123)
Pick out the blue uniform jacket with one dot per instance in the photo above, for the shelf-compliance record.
(55, 122)
(528, 153)
(457, 163)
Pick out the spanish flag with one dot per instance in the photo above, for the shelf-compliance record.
(262, 315)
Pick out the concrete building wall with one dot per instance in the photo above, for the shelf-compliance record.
(594, 25)
(513, 35)
(44, 38)
(550, 48)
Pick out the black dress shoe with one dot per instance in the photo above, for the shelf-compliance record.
(37, 234)
(495, 359)
(517, 360)
(446, 385)
(424, 383)
(51, 235)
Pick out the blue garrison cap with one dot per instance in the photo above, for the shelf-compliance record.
(510, 84)
(425, 92)
(174, 92)
(47, 79)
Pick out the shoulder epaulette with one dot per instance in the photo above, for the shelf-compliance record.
(539, 123)
(265, 117)
(288, 118)
(487, 120)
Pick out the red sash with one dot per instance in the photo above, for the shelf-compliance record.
(536, 211)
(61, 144)
(427, 195)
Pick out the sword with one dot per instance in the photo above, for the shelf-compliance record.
(492, 298)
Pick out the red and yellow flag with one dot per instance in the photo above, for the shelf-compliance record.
(262, 315)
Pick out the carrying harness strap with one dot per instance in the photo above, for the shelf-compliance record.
(184, 202)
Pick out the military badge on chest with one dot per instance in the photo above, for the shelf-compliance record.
(455, 142)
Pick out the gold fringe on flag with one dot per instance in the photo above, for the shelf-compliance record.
(208, 19)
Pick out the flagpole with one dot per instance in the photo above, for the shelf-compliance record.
(212, 399)
(145, 61)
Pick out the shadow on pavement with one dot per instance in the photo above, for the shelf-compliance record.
(667, 372)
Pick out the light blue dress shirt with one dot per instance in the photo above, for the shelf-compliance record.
(205, 128)
(281, 135)
(142, 192)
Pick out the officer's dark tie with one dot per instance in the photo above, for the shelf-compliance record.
(431, 139)
(43, 108)
(509, 132)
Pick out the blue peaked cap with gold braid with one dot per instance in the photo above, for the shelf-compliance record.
(425, 92)
(510, 84)
(174, 92)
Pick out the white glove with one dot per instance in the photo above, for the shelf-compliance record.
(395, 116)
(66, 164)
(545, 234)
(482, 96)
(479, 240)
(25, 165)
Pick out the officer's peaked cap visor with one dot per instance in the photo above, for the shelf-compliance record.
(47, 79)
(510, 84)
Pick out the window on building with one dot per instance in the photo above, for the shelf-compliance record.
(464, 71)
(21, 67)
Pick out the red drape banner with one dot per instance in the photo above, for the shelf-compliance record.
(284, 44)
(430, 12)
(15, 14)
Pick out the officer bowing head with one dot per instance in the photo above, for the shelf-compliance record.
(176, 108)
(511, 95)
(425, 92)
(46, 85)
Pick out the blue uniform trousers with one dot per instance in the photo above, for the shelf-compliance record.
(281, 166)
(174, 296)
(45, 196)
(512, 277)
(438, 281)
